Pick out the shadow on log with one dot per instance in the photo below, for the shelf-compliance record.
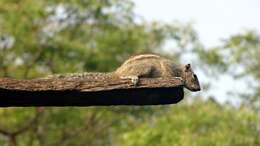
(90, 91)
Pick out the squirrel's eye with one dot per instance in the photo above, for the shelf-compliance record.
(195, 76)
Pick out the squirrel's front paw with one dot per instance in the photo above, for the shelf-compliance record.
(134, 79)
(180, 78)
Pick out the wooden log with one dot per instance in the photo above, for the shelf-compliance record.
(89, 91)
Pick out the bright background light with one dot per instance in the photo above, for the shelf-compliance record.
(213, 19)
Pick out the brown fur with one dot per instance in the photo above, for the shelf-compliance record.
(152, 66)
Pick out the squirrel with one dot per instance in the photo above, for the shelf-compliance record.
(154, 66)
(145, 66)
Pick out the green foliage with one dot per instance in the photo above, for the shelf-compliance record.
(245, 50)
(51, 36)
(199, 124)
(43, 37)
(212, 58)
(237, 56)
(12, 123)
(46, 37)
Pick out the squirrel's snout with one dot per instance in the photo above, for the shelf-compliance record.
(197, 89)
(194, 86)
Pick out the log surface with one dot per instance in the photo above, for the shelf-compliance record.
(89, 91)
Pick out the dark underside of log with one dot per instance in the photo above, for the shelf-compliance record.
(90, 91)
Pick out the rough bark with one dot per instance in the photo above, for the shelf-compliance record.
(89, 91)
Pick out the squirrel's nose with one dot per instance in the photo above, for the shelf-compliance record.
(198, 89)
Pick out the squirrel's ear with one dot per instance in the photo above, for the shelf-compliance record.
(187, 67)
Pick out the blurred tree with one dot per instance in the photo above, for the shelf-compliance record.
(199, 124)
(245, 50)
(239, 57)
(42, 37)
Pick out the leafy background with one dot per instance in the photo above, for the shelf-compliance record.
(41, 37)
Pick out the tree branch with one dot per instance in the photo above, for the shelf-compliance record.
(12, 135)
(28, 124)
(4, 132)
(90, 90)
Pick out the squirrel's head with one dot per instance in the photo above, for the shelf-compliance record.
(191, 81)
